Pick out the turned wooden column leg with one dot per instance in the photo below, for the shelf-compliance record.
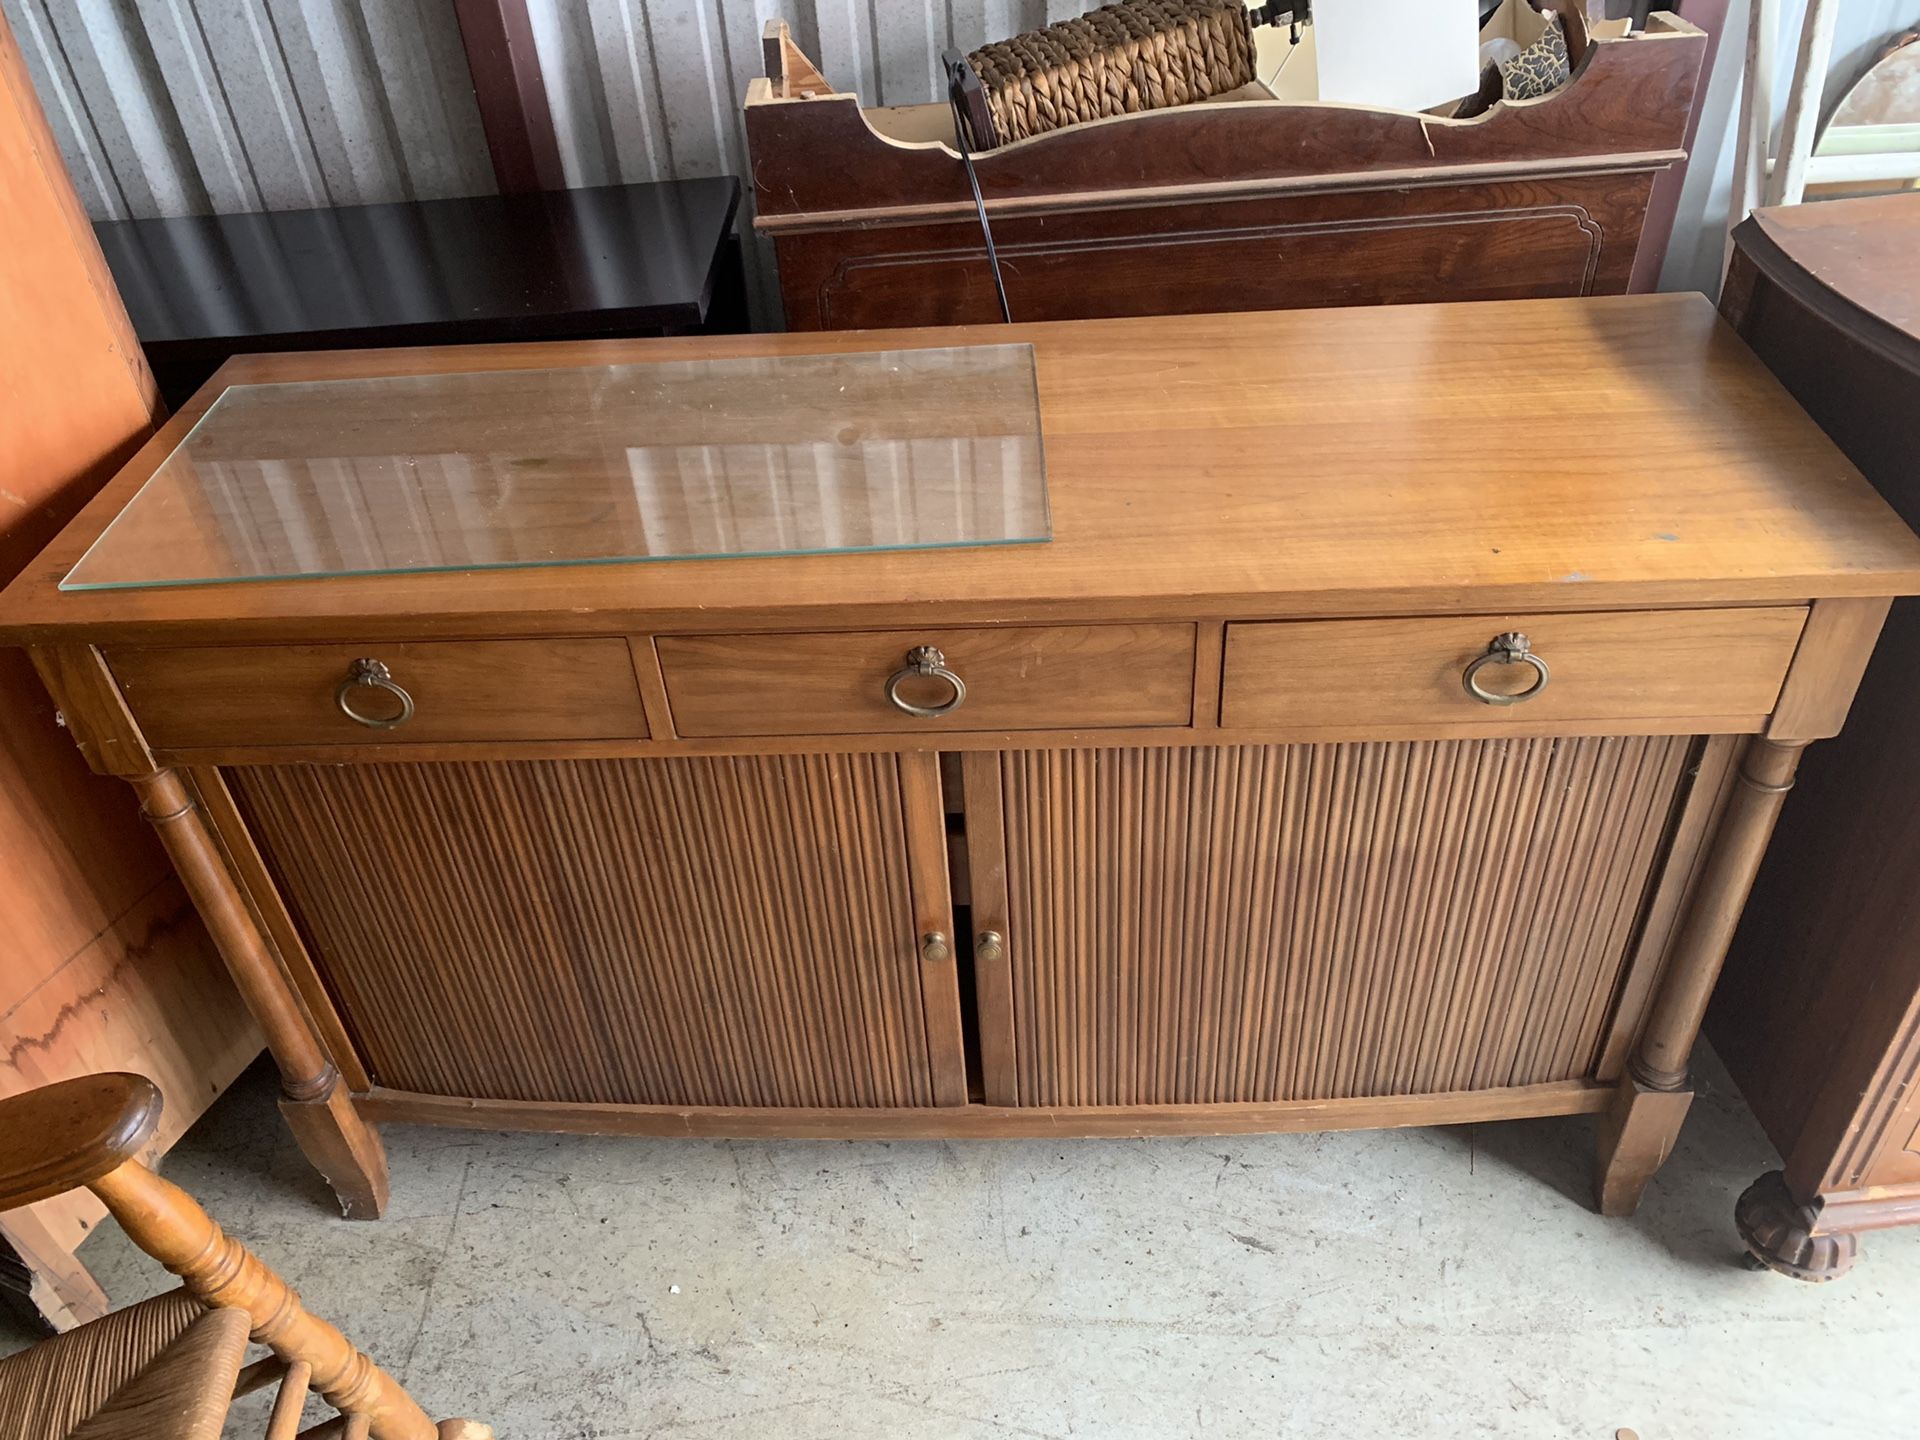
(318, 1109)
(164, 1221)
(1639, 1128)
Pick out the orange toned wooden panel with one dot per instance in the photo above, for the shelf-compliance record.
(670, 932)
(102, 963)
(1309, 922)
(1637, 665)
(461, 690)
(79, 396)
(1091, 676)
(1179, 489)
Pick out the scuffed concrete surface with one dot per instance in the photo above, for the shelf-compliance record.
(1411, 1284)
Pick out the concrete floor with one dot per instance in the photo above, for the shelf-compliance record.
(1409, 1284)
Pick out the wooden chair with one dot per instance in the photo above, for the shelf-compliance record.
(171, 1366)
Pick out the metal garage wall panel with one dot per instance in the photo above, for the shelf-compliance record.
(173, 107)
(652, 89)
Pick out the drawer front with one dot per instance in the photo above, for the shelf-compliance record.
(459, 690)
(1609, 667)
(1023, 678)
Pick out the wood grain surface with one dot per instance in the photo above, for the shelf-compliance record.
(1645, 665)
(1611, 453)
(1025, 678)
(1269, 923)
(550, 689)
(694, 932)
(983, 1122)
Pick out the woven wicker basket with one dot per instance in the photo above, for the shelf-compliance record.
(1118, 60)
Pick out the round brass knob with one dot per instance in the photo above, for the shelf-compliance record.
(934, 948)
(372, 675)
(926, 660)
(989, 948)
(1508, 649)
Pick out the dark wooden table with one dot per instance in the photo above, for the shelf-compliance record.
(612, 260)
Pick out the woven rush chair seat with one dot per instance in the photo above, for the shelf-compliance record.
(168, 1369)
(160, 1370)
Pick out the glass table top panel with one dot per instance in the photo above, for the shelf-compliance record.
(791, 455)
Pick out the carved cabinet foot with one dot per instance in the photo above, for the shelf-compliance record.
(1785, 1236)
(1636, 1133)
(344, 1148)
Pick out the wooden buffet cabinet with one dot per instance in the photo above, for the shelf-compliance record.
(1185, 820)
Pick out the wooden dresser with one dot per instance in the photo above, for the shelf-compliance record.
(1387, 734)
(1243, 202)
(1820, 1019)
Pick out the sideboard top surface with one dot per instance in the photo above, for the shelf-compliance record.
(1578, 454)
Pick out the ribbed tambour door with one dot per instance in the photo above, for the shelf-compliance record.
(1265, 923)
(735, 931)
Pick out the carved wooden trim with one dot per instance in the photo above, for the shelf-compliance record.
(1713, 910)
(652, 684)
(841, 277)
(1565, 1097)
(924, 815)
(1887, 1112)
(1880, 1208)
(1023, 207)
(1688, 841)
(92, 709)
(992, 973)
(1827, 665)
(1209, 662)
(790, 73)
(1604, 117)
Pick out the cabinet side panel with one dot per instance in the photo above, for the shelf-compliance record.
(734, 931)
(1271, 923)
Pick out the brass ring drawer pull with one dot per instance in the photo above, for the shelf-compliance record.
(1508, 649)
(372, 675)
(926, 660)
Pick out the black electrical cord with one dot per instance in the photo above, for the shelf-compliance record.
(973, 180)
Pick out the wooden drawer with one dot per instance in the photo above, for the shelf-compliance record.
(461, 690)
(1681, 665)
(1025, 678)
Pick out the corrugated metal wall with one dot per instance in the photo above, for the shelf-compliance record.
(652, 89)
(168, 107)
(646, 89)
(179, 107)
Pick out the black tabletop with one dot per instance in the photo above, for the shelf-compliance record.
(493, 267)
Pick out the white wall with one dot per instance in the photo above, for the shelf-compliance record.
(1699, 229)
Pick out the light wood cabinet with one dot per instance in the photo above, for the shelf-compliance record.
(1325, 768)
(733, 931)
(1263, 924)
